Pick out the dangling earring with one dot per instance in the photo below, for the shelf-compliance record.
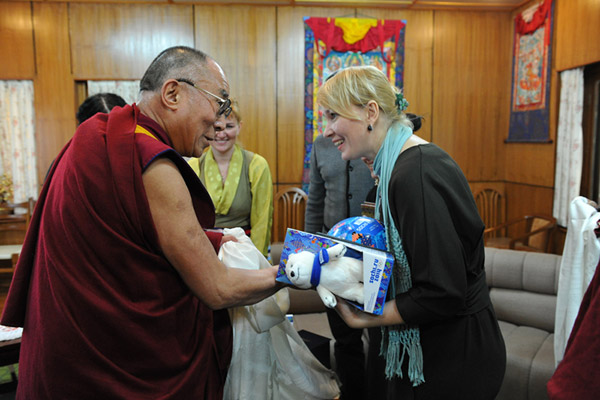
(370, 127)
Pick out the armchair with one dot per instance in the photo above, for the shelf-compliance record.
(289, 207)
(533, 234)
(492, 209)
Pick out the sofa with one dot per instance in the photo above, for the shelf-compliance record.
(523, 287)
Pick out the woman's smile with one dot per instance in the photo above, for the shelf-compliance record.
(338, 142)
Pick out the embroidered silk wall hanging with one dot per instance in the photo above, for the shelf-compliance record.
(529, 117)
(335, 43)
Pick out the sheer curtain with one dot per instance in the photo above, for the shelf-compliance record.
(17, 135)
(128, 90)
(569, 143)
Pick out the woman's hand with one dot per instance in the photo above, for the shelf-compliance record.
(355, 318)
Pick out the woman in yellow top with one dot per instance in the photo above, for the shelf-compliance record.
(239, 182)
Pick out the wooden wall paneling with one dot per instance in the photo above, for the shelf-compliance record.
(16, 41)
(418, 66)
(121, 40)
(577, 24)
(471, 89)
(290, 88)
(54, 94)
(242, 40)
(530, 163)
(254, 2)
(528, 199)
(110, 1)
(477, 5)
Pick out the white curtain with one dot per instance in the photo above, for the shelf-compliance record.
(569, 143)
(128, 90)
(17, 135)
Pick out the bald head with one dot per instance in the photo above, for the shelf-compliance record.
(173, 62)
(183, 90)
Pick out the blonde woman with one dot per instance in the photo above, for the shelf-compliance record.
(438, 335)
(239, 182)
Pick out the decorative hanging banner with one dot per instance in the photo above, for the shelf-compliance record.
(529, 117)
(335, 43)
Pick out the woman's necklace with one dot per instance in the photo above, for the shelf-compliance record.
(223, 168)
(223, 161)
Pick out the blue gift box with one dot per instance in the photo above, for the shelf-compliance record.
(377, 265)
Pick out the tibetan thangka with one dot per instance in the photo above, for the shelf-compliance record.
(335, 43)
(531, 75)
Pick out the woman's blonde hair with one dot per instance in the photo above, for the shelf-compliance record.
(357, 86)
(235, 111)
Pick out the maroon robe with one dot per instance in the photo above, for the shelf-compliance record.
(578, 374)
(105, 315)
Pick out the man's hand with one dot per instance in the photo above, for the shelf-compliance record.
(227, 238)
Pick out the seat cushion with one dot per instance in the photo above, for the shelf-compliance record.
(529, 362)
(521, 307)
(542, 370)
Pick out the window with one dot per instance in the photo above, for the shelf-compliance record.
(590, 176)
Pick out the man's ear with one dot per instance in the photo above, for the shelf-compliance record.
(372, 111)
(170, 94)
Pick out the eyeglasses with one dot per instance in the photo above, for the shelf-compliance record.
(224, 104)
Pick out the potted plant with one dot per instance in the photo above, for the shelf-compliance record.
(6, 193)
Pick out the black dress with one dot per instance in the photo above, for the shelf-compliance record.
(464, 356)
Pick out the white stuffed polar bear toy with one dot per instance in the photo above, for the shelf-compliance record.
(330, 272)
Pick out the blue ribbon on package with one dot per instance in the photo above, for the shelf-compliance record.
(322, 257)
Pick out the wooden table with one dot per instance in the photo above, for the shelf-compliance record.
(12, 228)
(12, 221)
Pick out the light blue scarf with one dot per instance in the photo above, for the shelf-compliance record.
(396, 340)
